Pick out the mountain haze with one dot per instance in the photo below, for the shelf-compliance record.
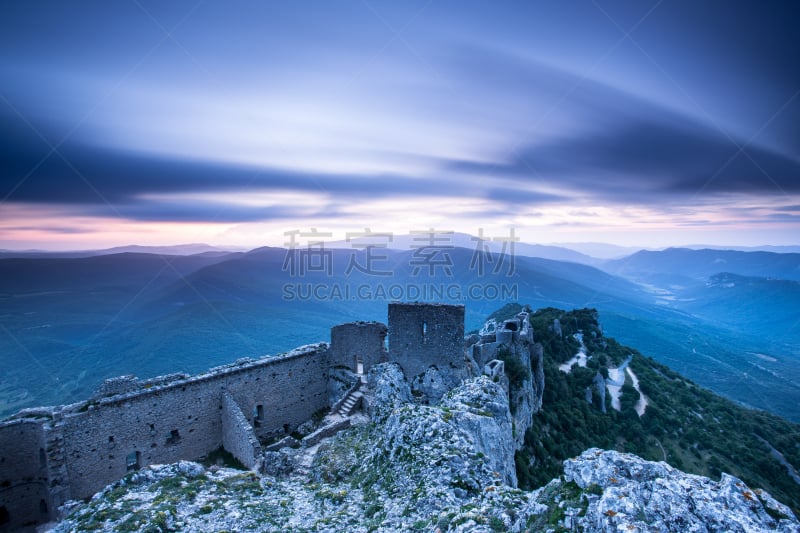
(69, 323)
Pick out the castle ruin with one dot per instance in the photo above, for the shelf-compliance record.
(54, 454)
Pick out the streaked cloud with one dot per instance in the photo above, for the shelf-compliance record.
(384, 114)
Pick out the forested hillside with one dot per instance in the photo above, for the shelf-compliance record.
(690, 427)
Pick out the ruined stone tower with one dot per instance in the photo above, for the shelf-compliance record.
(423, 334)
(358, 343)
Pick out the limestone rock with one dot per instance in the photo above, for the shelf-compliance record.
(525, 399)
(389, 390)
(278, 463)
(600, 384)
(431, 385)
(424, 470)
(480, 411)
(512, 343)
(638, 495)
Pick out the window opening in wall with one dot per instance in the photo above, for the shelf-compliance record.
(424, 331)
(258, 415)
(42, 458)
(133, 461)
(4, 518)
(359, 366)
(43, 507)
(286, 428)
(174, 437)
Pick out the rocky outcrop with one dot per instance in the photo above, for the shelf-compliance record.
(388, 390)
(523, 366)
(416, 467)
(627, 493)
(479, 410)
(430, 468)
(431, 385)
(512, 343)
(600, 385)
(471, 422)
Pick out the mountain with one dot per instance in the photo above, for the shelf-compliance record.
(751, 298)
(64, 320)
(764, 306)
(177, 249)
(786, 249)
(678, 266)
(650, 410)
(498, 244)
(23, 276)
(70, 323)
(600, 250)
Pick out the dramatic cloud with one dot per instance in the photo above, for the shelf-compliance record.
(573, 115)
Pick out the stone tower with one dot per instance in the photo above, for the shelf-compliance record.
(425, 334)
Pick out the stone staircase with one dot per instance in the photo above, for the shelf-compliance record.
(351, 403)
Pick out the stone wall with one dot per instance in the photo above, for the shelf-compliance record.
(421, 335)
(24, 498)
(238, 436)
(358, 341)
(183, 419)
(117, 385)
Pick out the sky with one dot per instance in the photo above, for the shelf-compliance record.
(638, 123)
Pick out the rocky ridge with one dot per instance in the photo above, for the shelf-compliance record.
(443, 467)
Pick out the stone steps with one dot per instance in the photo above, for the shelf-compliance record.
(350, 404)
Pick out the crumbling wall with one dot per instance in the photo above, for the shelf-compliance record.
(512, 342)
(24, 497)
(289, 390)
(117, 385)
(358, 341)
(74, 451)
(238, 436)
(421, 335)
(182, 419)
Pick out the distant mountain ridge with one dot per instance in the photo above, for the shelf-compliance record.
(495, 244)
(70, 322)
(176, 249)
(684, 263)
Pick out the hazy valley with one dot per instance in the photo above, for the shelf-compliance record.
(725, 319)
